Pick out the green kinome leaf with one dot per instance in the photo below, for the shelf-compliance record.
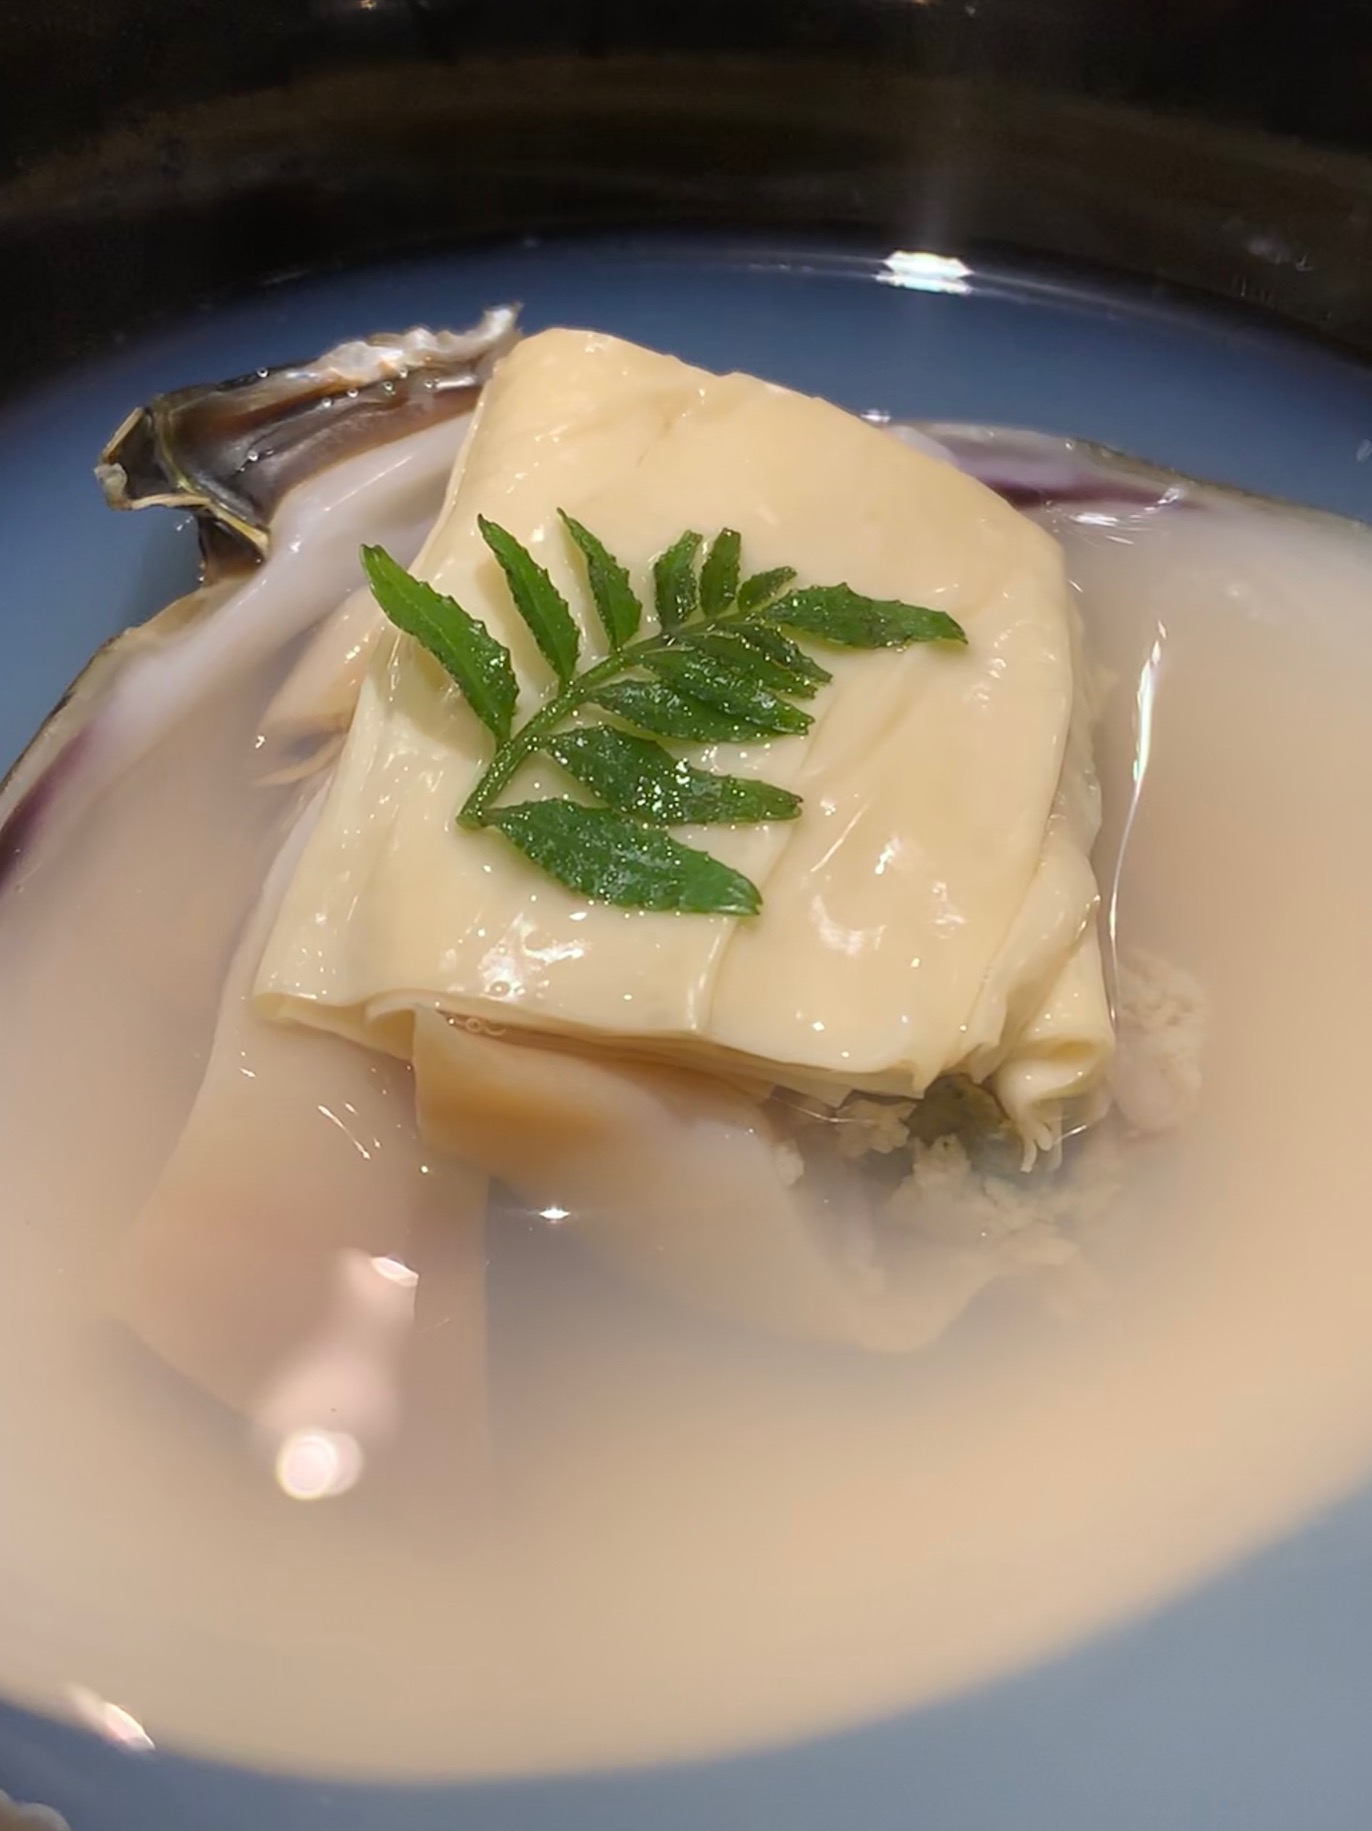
(615, 599)
(654, 707)
(730, 644)
(463, 646)
(537, 600)
(841, 615)
(719, 574)
(639, 777)
(776, 647)
(729, 690)
(675, 586)
(762, 587)
(721, 670)
(614, 859)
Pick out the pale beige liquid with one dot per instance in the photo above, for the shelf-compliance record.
(672, 1537)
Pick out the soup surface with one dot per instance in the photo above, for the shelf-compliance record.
(606, 1530)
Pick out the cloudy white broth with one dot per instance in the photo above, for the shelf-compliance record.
(345, 1452)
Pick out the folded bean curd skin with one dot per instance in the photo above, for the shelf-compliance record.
(933, 909)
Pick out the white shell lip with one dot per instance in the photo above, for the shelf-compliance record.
(391, 356)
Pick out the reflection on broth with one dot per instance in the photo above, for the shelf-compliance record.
(575, 1501)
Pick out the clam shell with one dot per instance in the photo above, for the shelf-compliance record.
(230, 451)
(260, 462)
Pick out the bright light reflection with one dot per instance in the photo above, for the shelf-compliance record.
(108, 1720)
(1145, 698)
(356, 1143)
(318, 1464)
(921, 271)
(554, 1214)
(395, 1271)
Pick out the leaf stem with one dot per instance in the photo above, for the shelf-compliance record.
(518, 749)
(731, 686)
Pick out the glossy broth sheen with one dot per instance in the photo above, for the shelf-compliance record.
(641, 1533)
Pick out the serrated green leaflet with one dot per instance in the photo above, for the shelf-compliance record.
(676, 589)
(762, 587)
(654, 707)
(537, 600)
(730, 690)
(780, 649)
(730, 645)
(608, 856)
(639, 777)
(720, 667)
(615, 599)
(844, 616)
(459, 643)
(719, 574)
